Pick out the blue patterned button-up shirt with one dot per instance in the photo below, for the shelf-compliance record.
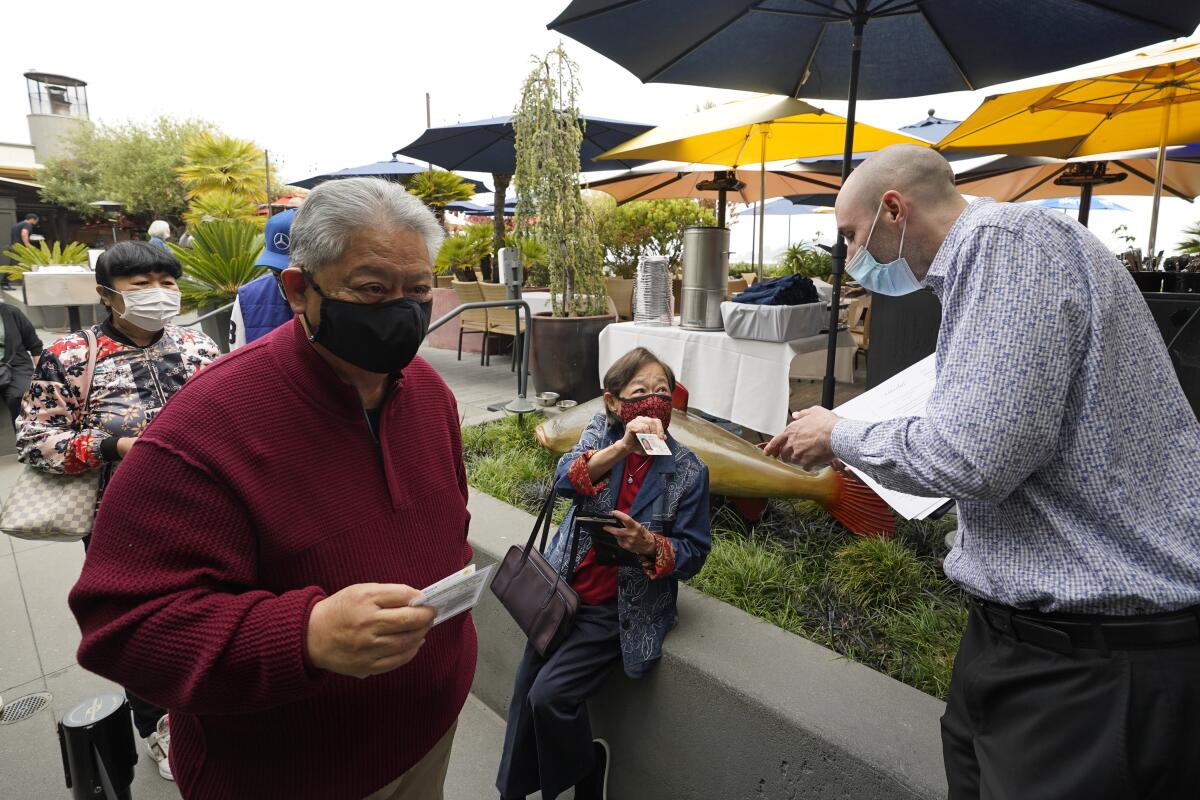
(1057, 423)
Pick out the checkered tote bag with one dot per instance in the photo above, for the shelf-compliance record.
(48, 507)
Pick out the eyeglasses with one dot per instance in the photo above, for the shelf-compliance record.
(366, 296)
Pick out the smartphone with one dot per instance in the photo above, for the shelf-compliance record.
(608, 551)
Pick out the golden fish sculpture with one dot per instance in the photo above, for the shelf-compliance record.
(736, 468)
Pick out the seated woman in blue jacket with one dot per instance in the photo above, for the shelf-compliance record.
(625, 612)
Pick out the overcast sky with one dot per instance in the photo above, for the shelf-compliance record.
(331, 85)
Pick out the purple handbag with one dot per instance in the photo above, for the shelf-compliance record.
(539, 599)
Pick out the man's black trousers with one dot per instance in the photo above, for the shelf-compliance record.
(1028, 723)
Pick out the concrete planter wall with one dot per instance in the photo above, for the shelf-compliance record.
(737, 709)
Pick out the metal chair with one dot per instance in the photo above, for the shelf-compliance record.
(858, 322)
(503, 321)
(620, 290)
(473, 321)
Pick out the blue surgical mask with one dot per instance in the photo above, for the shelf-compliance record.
(893, 278)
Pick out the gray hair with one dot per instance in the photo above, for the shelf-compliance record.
(322, 227)
(159, 229)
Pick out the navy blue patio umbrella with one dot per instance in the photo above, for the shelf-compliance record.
(481, 209)
(863, 49)
(489, 145)
(393, 170)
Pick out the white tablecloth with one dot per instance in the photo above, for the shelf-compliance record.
(736, 379)
(539, 302)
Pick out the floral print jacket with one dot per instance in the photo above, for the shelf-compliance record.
(129, 387)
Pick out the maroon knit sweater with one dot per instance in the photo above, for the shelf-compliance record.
(258, 491)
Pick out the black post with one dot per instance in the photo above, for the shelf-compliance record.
(839, 249)
(98, 754)
(720, 208)
(1085, 203)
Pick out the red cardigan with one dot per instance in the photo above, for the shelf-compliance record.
(255, 493)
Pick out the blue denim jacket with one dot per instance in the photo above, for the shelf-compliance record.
(672, 501)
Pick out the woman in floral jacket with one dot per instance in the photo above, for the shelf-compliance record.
(625, 612)
(141, 361)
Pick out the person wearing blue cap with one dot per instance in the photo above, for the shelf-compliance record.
(260, 306)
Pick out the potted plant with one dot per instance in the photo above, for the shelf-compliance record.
(27, 257)
(461, 253)
(219, 262)
(564, 345)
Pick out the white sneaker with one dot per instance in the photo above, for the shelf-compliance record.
(158, 744)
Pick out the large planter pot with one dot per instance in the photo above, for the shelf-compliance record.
(216, 327)
(564, 355)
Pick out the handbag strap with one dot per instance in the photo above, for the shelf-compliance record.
(543, 522)
(88, 373)
(545, 518)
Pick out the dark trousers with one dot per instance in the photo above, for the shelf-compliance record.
(548, 742)
(12, 394)
(1027, 723)
(145, 714)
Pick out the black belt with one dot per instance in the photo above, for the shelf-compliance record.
(1064, 633)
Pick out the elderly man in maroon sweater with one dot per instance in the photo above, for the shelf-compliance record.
(254, 559)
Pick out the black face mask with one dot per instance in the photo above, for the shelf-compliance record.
(378, 337)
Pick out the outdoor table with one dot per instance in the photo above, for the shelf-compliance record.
(744, 381)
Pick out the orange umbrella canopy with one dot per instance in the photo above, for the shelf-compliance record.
(681, 183)
(1016, 178)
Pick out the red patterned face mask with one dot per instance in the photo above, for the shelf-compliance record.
(655, 406)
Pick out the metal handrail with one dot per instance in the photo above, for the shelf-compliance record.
(209, 315)
(523, 353)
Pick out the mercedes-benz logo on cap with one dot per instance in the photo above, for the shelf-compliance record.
(281, 242)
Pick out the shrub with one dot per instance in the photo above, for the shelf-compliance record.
(801, 259)
(219, 261)
(879, 573)
(648, 227)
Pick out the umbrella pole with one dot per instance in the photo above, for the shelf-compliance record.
(1085, 203)
(753, 239)
(720, 208)
(1158, 179)
(839, 249)
(762, 199)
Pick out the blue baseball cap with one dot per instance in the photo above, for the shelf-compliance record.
(277, 247)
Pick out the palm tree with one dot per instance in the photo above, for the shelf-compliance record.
(213, 162)
(437, 189)
(223, 206)
(1191, 245)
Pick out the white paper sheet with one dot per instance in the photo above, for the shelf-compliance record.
(455, 594)
(905, 394)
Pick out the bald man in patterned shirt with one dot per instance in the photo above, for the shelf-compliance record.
(1058, 425)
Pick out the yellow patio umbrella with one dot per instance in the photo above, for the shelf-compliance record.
(1129, 102)
(756, 130)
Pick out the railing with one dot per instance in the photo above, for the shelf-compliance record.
(209, 315)
(522, 343)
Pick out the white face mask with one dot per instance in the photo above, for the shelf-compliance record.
(150, 309)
